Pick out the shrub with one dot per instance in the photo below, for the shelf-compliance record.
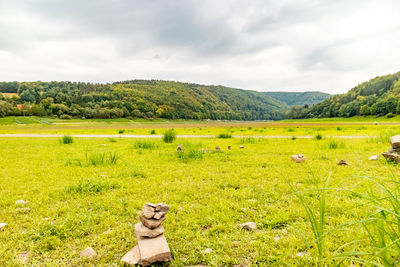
(390, 115)
(339, 128)
(318, 137)
(224, 135)
(102, 158)
(121, 131)
(169, 136)
(247, 140)
(191, 154)
(66, 139)
(290, 130)
(112, 140)
(294, 137)
(153, 131)
(333, 144)
(65, 117)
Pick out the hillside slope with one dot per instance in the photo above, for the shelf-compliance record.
(378, 96)
(299, 98)
(138, 99)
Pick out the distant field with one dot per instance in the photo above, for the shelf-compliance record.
(78, 196)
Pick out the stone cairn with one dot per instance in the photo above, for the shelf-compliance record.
(394, 152)
(152, 246)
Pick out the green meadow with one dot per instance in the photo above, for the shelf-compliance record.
(89, 191)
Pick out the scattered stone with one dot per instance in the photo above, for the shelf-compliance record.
(153, 250)
(161, 207)
(88, 253)
(249, 226)
(374, 157)
(179, 148)
(23, 210)
(21, 202)
(23, 257)
(148, 211)
(3, 225)
(132, 257)
(395, 141)
(241, 146)
(298, 158)
(229, 147)
(217, 148)
(391, 156)
(143, 231)
(342, 162)
(207, 251)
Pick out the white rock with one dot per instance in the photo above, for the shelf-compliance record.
(374, 157)
(3, 225)
(298, 158)
(207, 251)
(241, 146)
(88, 253)
(395, 141)
(302, 254)
(21, 202)
(249, 226)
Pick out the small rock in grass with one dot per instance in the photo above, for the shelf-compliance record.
(148, 211)
(249, 226)
(298, 158)
(143, 231)
(229, 147)
(342, 162)
(241, 146)
(3, 225)
(374, 157)
(132, 257)
(21, 202)
(207, 251)
(23, 257)
(217, 148)
(302, 254)
(88, 253)
(179, 148)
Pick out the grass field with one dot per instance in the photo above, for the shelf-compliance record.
(90, 192)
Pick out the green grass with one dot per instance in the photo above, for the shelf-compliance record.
(90, 192)
(66, 139)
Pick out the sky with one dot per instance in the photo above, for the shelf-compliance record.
(263, 45)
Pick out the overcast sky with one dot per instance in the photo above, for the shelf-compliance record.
(264, 45)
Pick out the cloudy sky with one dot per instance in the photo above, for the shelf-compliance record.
(264, 45)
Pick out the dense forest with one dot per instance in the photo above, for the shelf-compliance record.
(379, 96)
(299, 98)
(136, 99)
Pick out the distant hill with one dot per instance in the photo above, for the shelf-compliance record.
(138, 99)
(299, 98)
(378, 96)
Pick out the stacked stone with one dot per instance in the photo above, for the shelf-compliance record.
(152, 246)
(394, 152)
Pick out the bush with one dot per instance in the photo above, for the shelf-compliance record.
(90, 187)
(318, 137)
(66, 139)
(390, 115)
(65, 117)
(169, 136)
(191, 154)
(224, 135)
(333, 144)
(102, 158)
(153, 131)
(121, 131)
(112, 140)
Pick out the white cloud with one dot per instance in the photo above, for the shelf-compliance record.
(261, 45)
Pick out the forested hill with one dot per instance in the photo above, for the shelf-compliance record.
(379, 96)
(299, 98)
(137, 99)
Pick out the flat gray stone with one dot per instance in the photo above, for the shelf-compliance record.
(395, 141)
(161, 207)
(132, 257)
(3, 225)
(143, 231)
(153, 250)
(374, 157)
(391, 156)
(88, 253)
(249, 226)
